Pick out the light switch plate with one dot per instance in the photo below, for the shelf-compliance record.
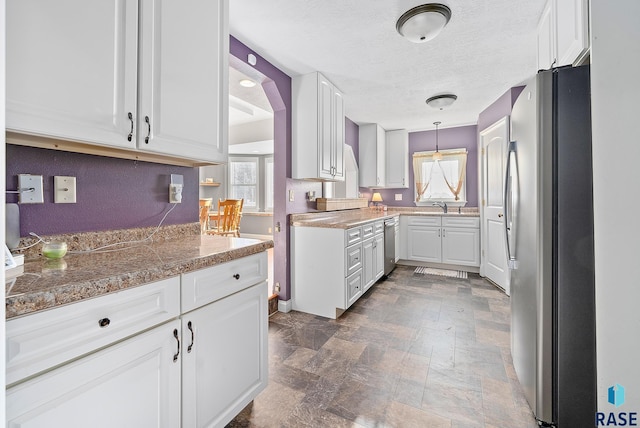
(30, 187)
(291, 195)
(398, 196)
(64, 190)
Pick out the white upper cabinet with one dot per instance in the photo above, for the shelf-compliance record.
(563, 33)
(183, 72)
(317, 128)
(71, 69)
(572, 30)
(546, 42)
(397, 159)
(93, 71)
(371, 162)
(384, 157)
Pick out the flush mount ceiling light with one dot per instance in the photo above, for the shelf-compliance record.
(441, 101)
(247, 83)
(423, 23)
(437, 155)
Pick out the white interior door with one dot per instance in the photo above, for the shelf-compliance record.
(494, 141)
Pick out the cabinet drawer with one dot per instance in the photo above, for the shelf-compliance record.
(46, 339)
(208, 285)
(424, 221)
(368, 230)
(378, 227)
(353, 235)
(353, 287)
(461, 222)
(353, 259)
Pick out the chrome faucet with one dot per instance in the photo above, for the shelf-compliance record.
(442, 205)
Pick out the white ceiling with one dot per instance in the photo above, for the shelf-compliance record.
(488, 47)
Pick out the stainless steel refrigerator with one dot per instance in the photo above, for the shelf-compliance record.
(549, 227)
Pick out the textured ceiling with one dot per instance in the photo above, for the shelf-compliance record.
(487, 47)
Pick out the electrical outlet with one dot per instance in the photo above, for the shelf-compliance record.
(64, 190)
(398, 196)
(30, 189)
(175, 193)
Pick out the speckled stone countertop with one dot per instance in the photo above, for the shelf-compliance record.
(352, 218)
(49, 283)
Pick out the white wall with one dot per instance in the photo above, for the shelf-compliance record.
(615, 38)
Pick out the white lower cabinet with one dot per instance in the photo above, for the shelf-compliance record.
(224, 357)
(331, 268)
(135, 383)
(373, 260)
(444, 239)
(135, 359)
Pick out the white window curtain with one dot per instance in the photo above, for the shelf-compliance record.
(440, 180)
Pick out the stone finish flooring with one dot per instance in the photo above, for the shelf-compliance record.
(414, 351)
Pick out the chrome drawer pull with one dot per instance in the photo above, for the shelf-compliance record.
(146, 139)
(175, 334)
(236, 276)
(192, 337)
(104, 322)
(130, 116)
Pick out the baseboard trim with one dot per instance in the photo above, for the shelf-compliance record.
(285, 305)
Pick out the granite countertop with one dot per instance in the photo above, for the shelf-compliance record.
(49, 283)
(352, 218)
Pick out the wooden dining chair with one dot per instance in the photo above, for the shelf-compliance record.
(205, 207)
(228, 221)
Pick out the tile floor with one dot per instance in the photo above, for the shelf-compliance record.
(414, 351)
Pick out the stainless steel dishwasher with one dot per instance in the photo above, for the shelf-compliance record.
(389, 245)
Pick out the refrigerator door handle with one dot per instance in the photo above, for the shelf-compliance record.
(510, 204)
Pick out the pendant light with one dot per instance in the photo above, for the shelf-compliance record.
(437, 155)
(423, 23)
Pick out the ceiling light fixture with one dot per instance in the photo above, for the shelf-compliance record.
(247, 83)
(423, 23)
(441, 101)
(437, 155)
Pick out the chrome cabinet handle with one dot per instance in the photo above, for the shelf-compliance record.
(236, 276)
(444, 233)
(104, 322)
(130, 136)
(192, 336)
(146, 139)
(500, 215)
(175, 334)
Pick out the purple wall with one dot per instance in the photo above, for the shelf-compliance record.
(448, 138)
(352, 137)
(499, 108)
(111, 193)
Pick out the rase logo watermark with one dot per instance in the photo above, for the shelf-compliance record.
(615, 396)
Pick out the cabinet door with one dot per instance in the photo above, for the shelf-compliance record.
(423, 244)
(378, 255)
(371, 161)
(338, 139)
(135, 383)
(224, 360)
(572, 34)
(397, 159)
(326, 142)
(72, 69)
(184, 49)
(369, 263)
(461, 246)
(546, 38)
